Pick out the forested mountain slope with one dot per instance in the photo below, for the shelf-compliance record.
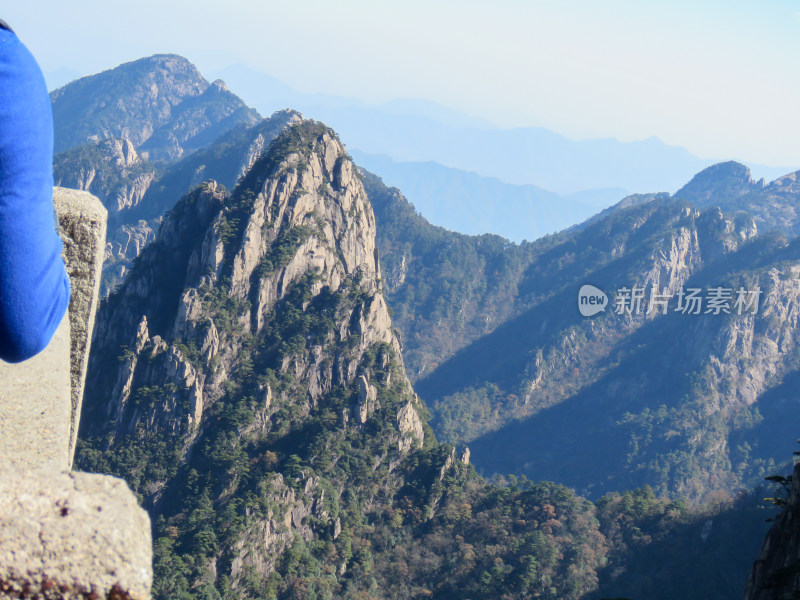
(683, 402)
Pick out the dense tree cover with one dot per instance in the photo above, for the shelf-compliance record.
(517, 541)
(662, 550)
(432, 528)
(446, 289)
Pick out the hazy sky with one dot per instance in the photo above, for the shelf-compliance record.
(718, 77)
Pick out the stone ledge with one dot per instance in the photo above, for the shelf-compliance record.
(82, 226)
(72, 535)
(35, 408)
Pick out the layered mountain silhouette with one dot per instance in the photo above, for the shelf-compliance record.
(418, 131)
(469, 203)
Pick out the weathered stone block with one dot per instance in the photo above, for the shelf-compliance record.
(82, 222)
(72, 535)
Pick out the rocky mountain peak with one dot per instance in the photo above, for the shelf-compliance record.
(721, 181)
(730, 187)
(272, 290)
(788, 183)
(111, 169)
(314, 192)
(142, 99)
(251, 346)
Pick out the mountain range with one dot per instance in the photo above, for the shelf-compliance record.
(291, 362)
(410, 130)
(458, 200)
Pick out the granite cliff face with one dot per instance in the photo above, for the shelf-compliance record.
(309, 220)
(265, 302)
(677, 397)
(110, 169)
(224, 161)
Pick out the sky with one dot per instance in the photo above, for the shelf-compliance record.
(717, 77)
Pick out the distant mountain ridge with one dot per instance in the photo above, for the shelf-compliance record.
(138, 189)
(185, 113)
(469, 203)
(170, 108)
(775, 206)
(141, 135)
(420, 131)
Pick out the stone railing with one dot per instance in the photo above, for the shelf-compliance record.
(65, 534)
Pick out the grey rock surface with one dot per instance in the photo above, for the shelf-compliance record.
(35, 407)
(68, 535)
(309, 227)
(110, 169)
(319, 193)
(82, 220)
